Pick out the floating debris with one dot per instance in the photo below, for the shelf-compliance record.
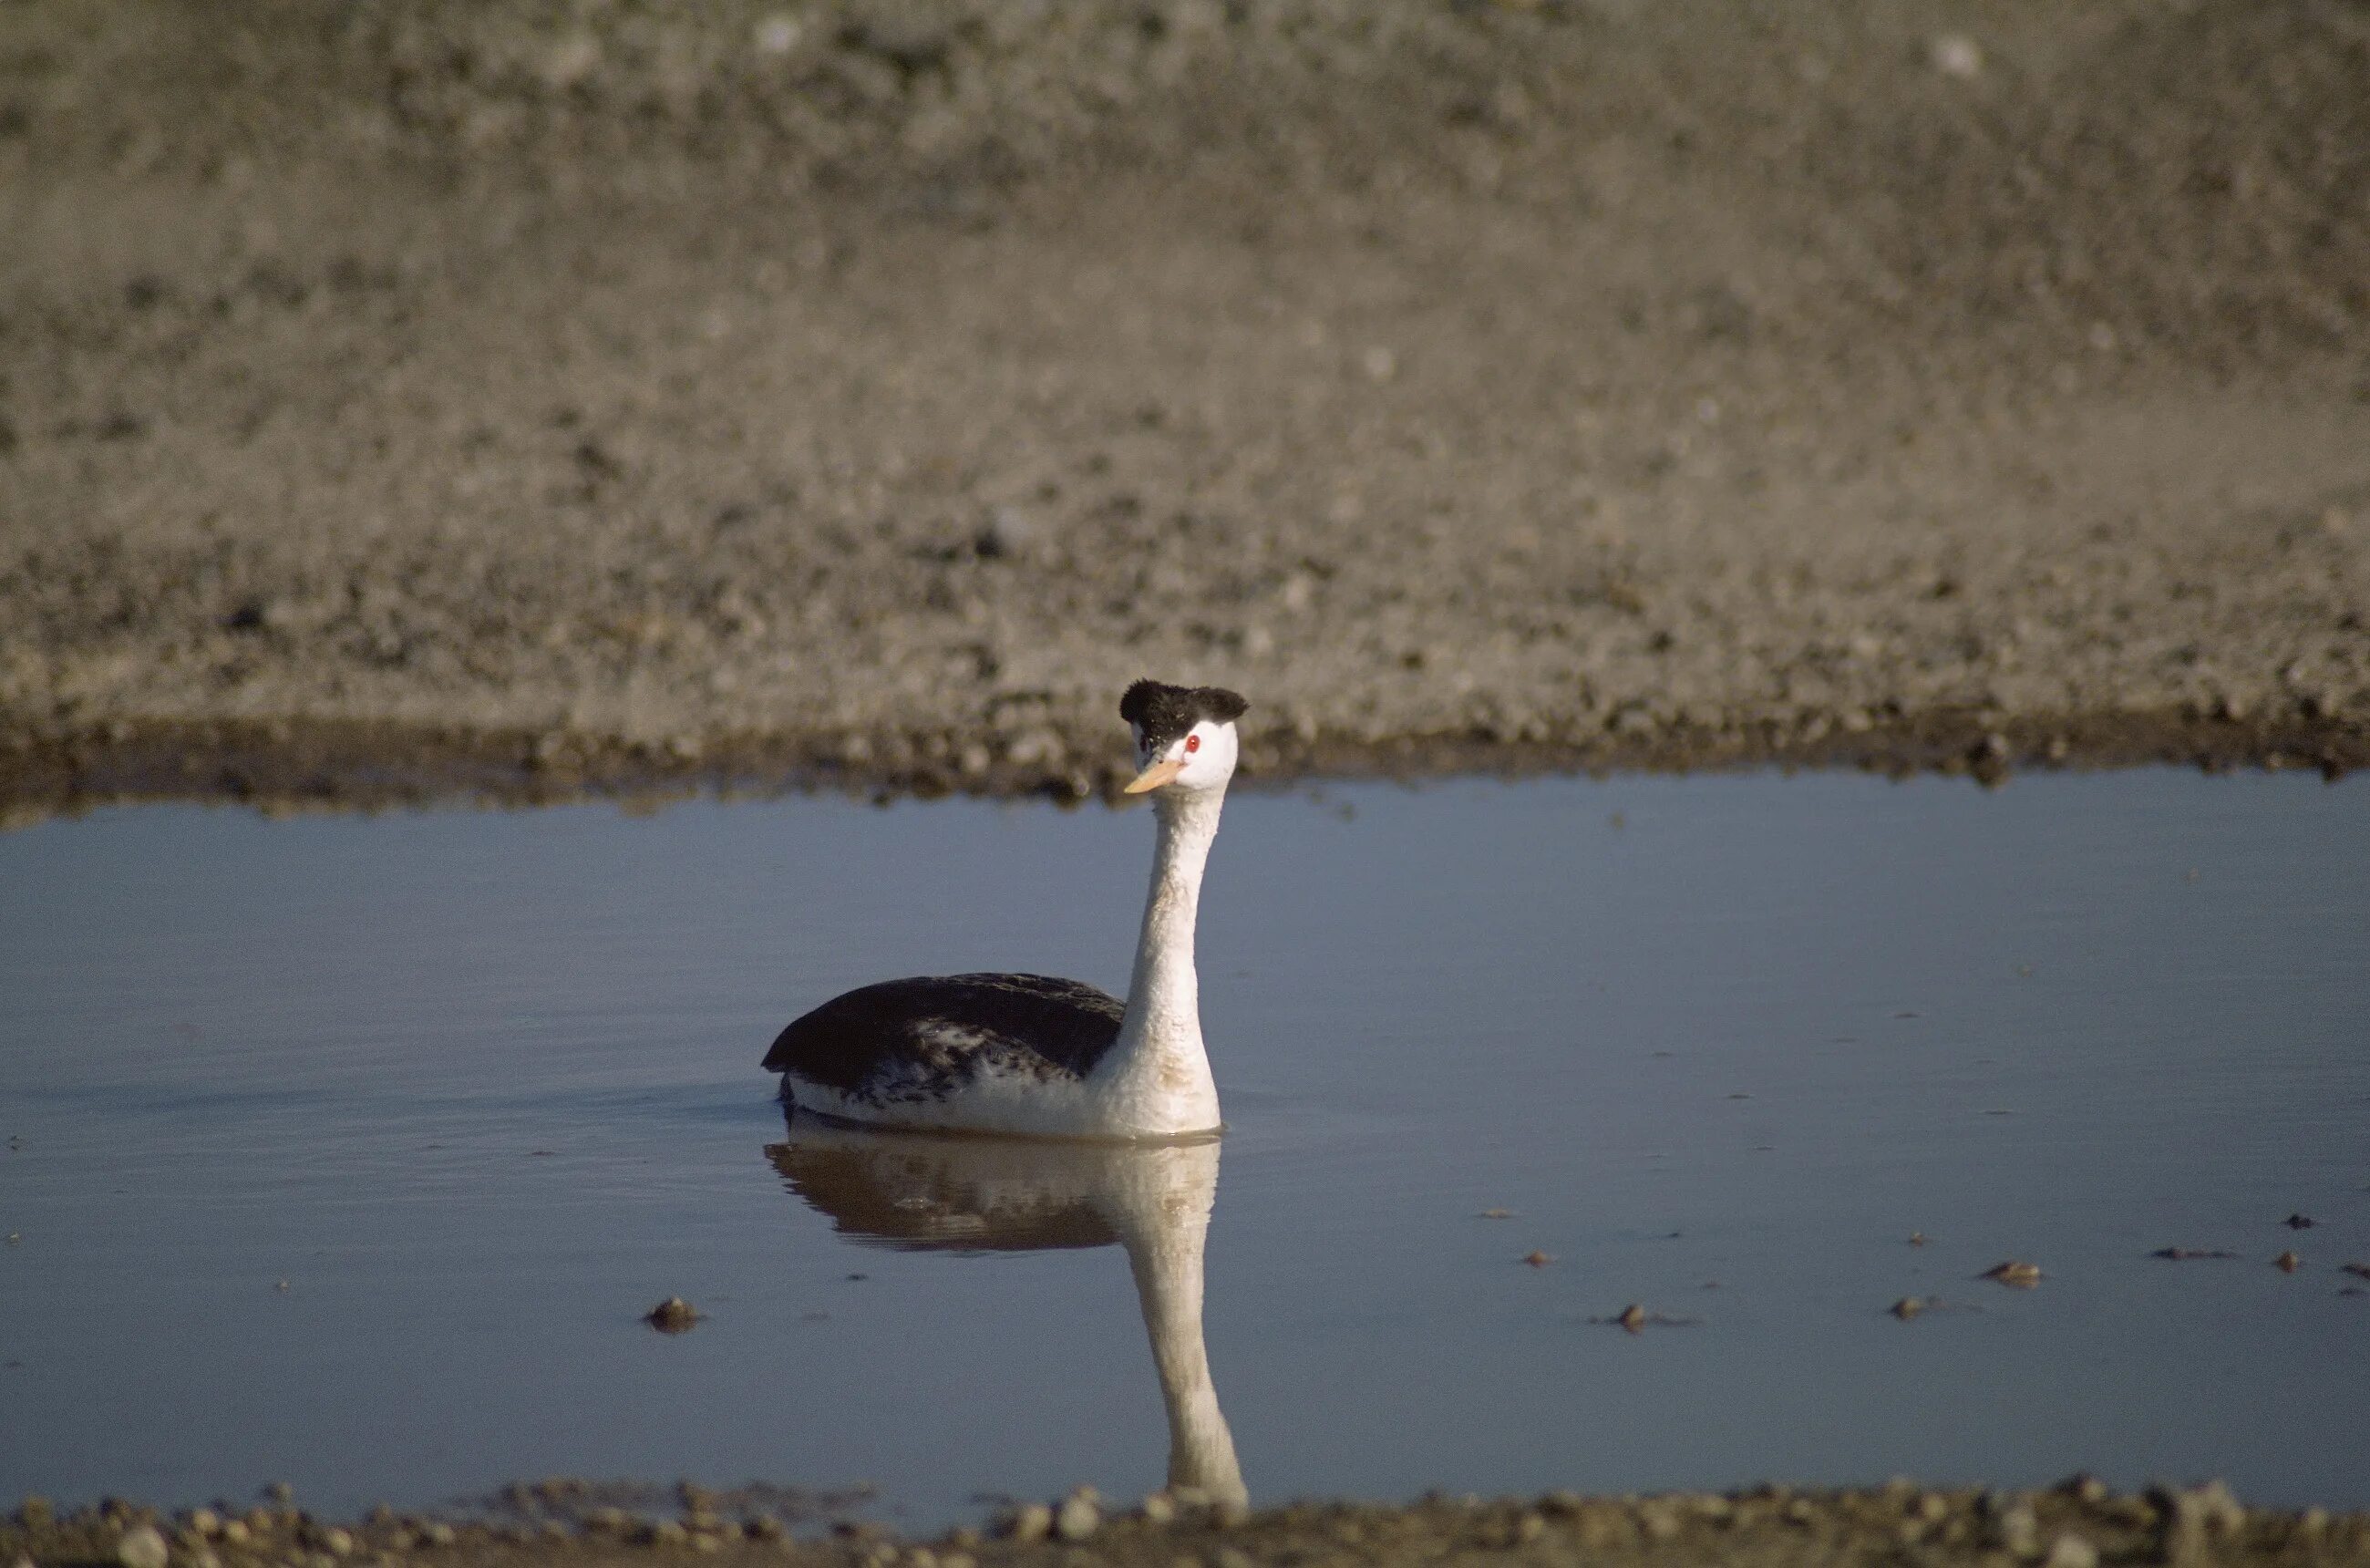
(2287, 1262)
(1496, 1214)
(2183, 1254)
(2021, 1275)
(1917, 1238)
(1537, 1258)
(672, 1316)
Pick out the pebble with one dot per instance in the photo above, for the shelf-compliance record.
(1956, 54)
(2019, 1275)
(2012, 1524)
(671, 1316)
(1006, 533)
(1658, 1520)
(2070, 1551)
(777, 35)
(142, 1548)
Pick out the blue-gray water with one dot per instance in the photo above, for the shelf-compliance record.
(481, 1088)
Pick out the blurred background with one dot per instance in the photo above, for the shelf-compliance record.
(576, 387)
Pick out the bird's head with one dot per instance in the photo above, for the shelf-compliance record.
(1184, 735)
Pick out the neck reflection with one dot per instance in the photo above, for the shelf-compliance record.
(923, 1193)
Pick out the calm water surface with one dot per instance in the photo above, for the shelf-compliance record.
(481, 1088)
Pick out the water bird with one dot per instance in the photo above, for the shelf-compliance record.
(1031, 1053)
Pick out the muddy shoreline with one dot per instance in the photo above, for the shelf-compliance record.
(847, 393)
(2079, 1524)
(284, 768)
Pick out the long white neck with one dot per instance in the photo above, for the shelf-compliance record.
(1157, 1077)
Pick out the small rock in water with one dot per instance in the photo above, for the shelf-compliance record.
(1537, 1259)
(1632, 1317)
(1907, 1308)
(2021, 1275)
(672, 1316)
(142, 1548)
(2287, 1262)
(1486, 1213)
(1030, 1521)
(2298, 1222)
(2359, 1269)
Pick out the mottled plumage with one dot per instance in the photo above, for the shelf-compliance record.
(925, 1038)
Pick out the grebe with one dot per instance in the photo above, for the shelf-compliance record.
(920, 1193)
(1030, 1054)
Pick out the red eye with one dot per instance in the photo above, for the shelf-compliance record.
(1193, 743)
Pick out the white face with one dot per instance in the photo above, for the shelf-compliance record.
(1202, 759)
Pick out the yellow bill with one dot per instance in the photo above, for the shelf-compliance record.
(1153, 777)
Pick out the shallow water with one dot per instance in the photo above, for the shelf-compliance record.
(481, 1088)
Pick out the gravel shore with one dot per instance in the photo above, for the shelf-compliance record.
(2079, 1525)
(404, 399)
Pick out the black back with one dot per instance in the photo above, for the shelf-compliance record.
(927, 1036)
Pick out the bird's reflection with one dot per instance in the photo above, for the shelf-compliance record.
(921, 1193)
